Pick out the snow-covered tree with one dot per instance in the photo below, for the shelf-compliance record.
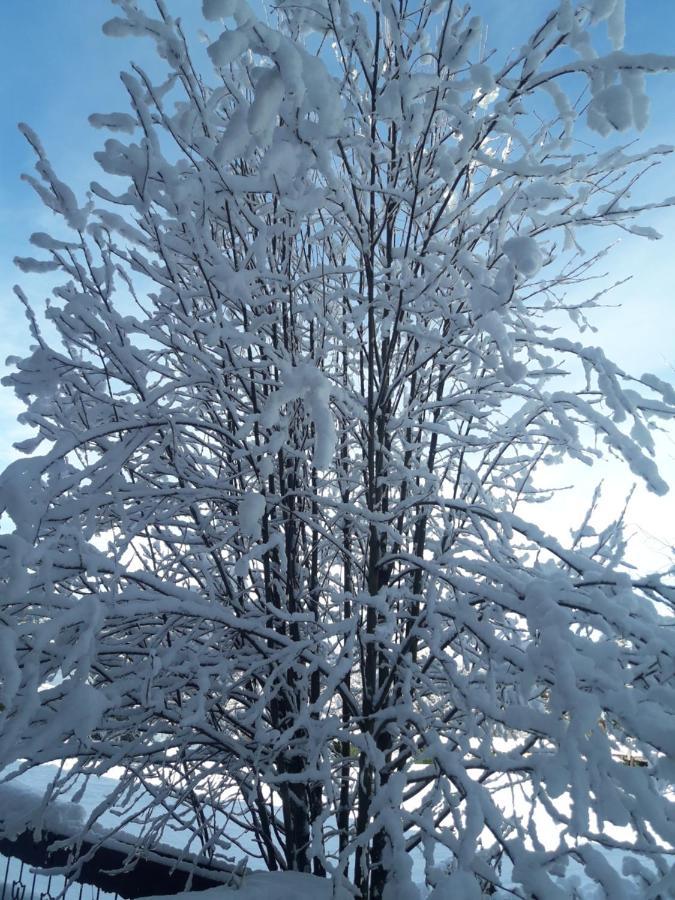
(293, 389)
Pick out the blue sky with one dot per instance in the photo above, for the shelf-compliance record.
(61, 68)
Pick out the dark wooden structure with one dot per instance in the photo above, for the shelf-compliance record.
(156, 873)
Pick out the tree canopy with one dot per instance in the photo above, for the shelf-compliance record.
(270, 549)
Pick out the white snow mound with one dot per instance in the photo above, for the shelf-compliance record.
(270, 886)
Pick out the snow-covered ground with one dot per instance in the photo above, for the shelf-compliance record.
(272, 886)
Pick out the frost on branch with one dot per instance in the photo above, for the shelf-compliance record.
(303, 364)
